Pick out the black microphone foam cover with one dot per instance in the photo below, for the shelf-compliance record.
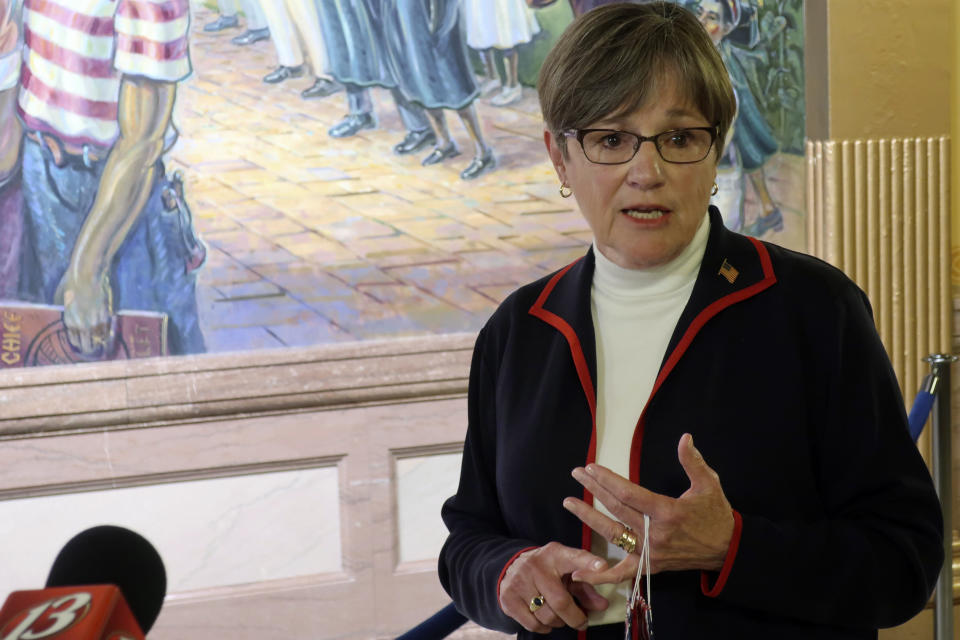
(114, 555)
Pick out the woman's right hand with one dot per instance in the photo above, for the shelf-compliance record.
(545, 571)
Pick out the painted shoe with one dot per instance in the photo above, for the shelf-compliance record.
(282, 73)
(489, 87)
(353, 123)
(439, 154)
(322, 88)
(479, 166)
(414, 141)
(250, 36)
(509, 95)
(221, 23)
(773, 220)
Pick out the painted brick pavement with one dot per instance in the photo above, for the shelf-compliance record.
(313, 239)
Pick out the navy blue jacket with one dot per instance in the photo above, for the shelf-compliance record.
(776, 369)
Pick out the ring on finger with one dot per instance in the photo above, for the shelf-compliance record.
(536, 602)
(627, 540)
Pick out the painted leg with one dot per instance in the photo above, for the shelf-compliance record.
(512, 91)
(415, 121)
(772, 218)
(483, 159)
(284, 38)
(257, 29)
(491, 78)
(360, 116)
(446, 147)
(227, 18)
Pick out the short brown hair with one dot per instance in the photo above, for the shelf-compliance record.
(609, 60)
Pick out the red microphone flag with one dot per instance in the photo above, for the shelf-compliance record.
(90, 612)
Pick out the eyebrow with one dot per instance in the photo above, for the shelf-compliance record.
(619, 122)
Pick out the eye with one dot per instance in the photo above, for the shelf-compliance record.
(678, 139)
(612, 140)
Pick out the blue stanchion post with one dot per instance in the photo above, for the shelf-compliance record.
(942, 465)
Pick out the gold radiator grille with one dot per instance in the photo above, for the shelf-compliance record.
(880, 211)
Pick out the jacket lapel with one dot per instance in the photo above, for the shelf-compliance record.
(564, 303)
(734, 268)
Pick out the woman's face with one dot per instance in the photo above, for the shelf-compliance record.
(645, 212)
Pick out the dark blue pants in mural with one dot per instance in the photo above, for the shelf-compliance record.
(149, 271)
(353, 36)
(431, 68)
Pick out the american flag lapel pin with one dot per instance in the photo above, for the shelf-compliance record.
(728, 271)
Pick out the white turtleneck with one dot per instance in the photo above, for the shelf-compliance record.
(634, 314)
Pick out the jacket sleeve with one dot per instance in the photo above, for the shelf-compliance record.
(479, 546)
(872, 558)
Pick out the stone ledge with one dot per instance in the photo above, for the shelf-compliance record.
(164, 391)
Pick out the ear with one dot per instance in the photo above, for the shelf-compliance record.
(556, 154)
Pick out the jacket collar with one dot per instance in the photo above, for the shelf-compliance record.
(734, 268)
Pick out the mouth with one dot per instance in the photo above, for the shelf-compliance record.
(646, 213)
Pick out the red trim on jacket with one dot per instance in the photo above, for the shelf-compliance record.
(714, 591)
(698, 322)
(503, 571)
(583, 373)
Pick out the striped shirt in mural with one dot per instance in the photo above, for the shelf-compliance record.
(75, 52)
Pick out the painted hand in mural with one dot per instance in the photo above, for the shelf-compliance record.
(9, 31)
(547, 571)
(88, 313)
(689, 532)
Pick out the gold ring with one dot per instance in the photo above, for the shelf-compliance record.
(627, 540)
(536, 602)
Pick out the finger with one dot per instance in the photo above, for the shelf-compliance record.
(517, 591)
(548, 617)
(627, 501)
(701, 475)
(609, 528)
(516, 604)
(567, 559)
(623, 570)
(587, 597)
(562, 608)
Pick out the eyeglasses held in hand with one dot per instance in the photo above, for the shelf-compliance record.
(677, 146)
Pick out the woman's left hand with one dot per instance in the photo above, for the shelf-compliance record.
(689, 532)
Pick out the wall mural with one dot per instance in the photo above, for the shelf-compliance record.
(186, 177)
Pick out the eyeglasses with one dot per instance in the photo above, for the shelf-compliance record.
(677, 146)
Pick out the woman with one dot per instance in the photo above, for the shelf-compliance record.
(733, 391)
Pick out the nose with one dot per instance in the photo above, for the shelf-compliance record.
(646, 169)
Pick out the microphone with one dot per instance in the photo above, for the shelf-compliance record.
(107, 583)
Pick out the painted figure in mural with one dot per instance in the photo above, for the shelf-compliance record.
(256, 22)
(292, 22)
(427, 57)
(353, 33)
(98, 235)
(11, 137)
(733, 27)
(589, 386)
(500, 25)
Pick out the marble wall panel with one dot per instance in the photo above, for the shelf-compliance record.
(422, 484)
(210, 533)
